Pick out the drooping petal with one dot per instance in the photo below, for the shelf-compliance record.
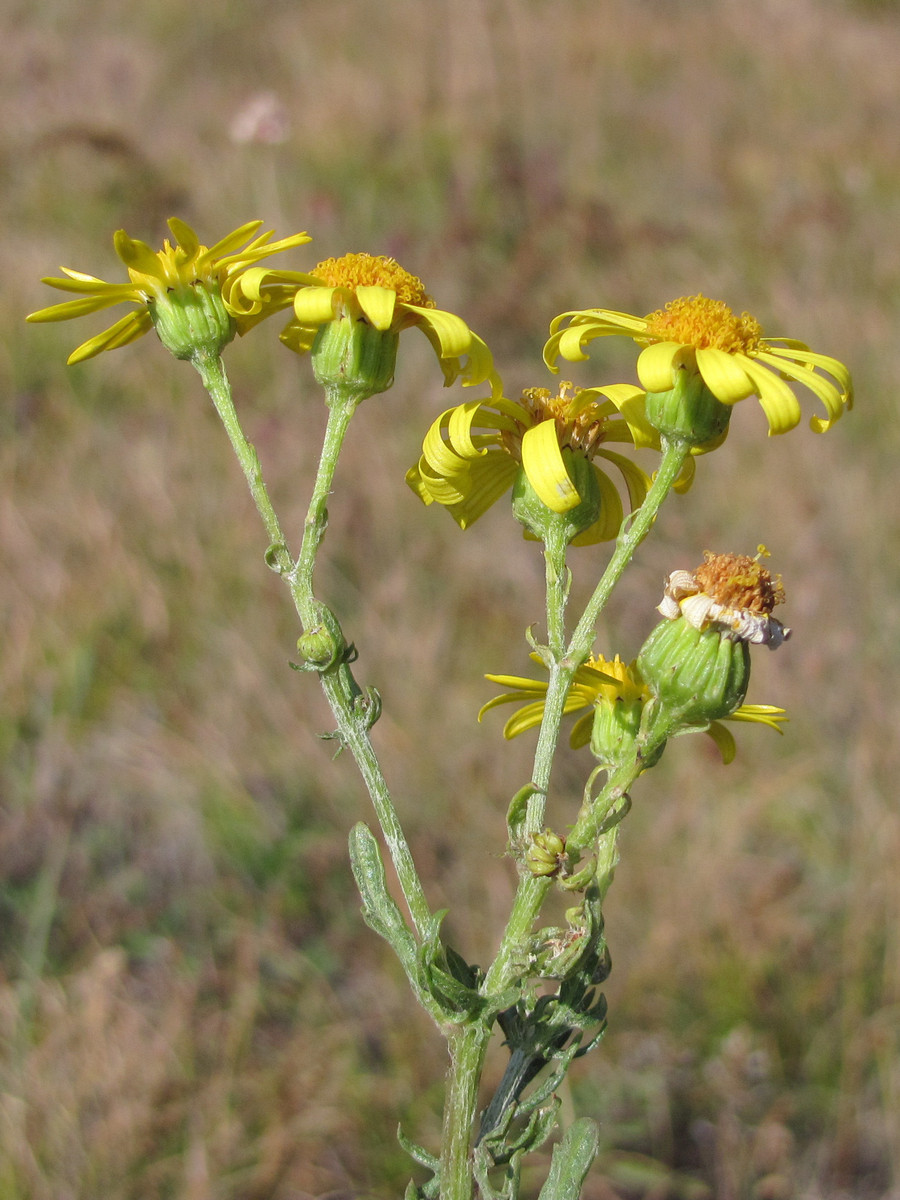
(581, 731)
(686, 475)
(441, 456)
(834, 400)
(297, 337)
(609, 522)
(629, 400)
(452, 333)
(459, 428)
(584, 327)
(656, 366)
(430, 486)
(469, 494)
(545, 468)
(315, 305)
(726, 375)
(724, 740)
(779, 403)
(568, 344)
(489, 479)
(460, 352)
(637, 481)
(415, 479)
(529, 716)
(479, 366)
(378, 304)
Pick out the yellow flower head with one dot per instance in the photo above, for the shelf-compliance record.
(606, 681)
(160, 279)
(377, 290)
(729, 353)
(473, 452)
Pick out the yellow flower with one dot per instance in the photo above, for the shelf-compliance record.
(729, 353)
(604, 681)
(473, 452)
(377, 290)
(160, 279)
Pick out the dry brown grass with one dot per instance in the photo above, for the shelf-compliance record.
(189, 1004)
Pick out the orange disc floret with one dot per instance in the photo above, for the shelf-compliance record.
(739, 582)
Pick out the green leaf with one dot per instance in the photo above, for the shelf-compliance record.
(517, 813)
(379, 908)
(571, 1161)
(417, 1152)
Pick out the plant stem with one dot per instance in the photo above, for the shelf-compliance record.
(467, 1051)
(673, 457)
(340, 410)
(468, 1044)
(348, 703)
(532, 891)
(212, 372)
(343, 694)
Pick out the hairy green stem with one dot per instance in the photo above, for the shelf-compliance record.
(340, 410)
(212, 372)
(530, 897)
(673, 459)
(468, 1045)
(344, 698)
(349, 705)
(562, 663)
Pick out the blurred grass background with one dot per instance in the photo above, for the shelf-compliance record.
(190, 1005)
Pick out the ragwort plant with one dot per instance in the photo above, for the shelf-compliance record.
(550, 448)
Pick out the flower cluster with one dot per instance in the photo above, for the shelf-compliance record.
(198, 297)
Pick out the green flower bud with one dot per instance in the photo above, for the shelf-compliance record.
(615, 730)
(547, 853)
(547, 524)
(319, 648)
(351, 356)
(698, 675)
(192, 320)
(689, 411)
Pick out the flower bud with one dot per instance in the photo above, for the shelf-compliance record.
(545, 523)
(688, 412)
(618, 709)
(319, 648)
(699, 675)
(192, 319)
(547, 853)
(352, 356)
